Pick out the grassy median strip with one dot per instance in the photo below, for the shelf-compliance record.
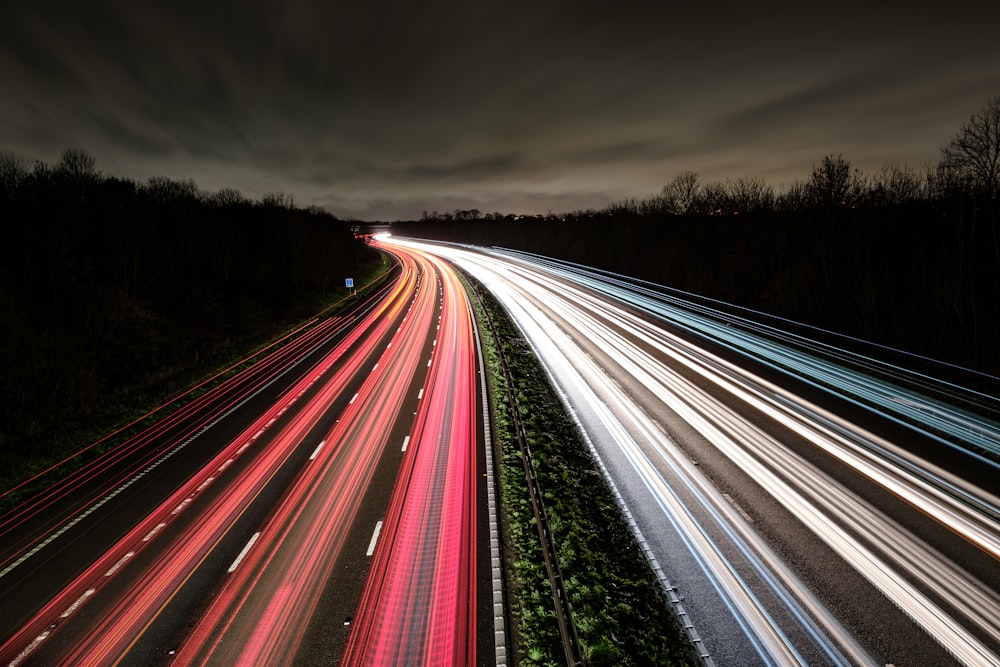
(621, 614)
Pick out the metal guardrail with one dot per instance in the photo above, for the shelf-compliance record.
(564, 616)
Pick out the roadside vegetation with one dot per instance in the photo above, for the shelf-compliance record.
(621, 613)
(74, 442)
(117, 296)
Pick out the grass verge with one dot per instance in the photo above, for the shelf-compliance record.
(621, 613)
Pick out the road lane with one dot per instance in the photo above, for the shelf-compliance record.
(808, 537)
(419, 601)
(260, 614)
(247, 554)
(82, 586)
(52, 537)
(155, 580)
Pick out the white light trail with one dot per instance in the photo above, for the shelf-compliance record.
(558, 317)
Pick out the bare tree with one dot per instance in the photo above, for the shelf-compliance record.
(13, 172)
(975, 151)
(681, 192)
(793, 197)
(713, 199)
(77, 165)
(227, 197)
(832, 183)
(276, 200)
(895, 184)
(165, 190)
(751, 194)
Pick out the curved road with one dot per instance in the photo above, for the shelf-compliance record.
(791, 522)
(241, 528)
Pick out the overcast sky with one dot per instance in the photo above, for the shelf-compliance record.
(381, 110)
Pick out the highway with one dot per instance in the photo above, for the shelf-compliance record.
(243, 528)
(800, 507)
(433, 512)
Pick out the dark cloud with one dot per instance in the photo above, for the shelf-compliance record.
(383, 109)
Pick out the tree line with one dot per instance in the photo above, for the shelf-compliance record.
(905, 258)
(111, 287)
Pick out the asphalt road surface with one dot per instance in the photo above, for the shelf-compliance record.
(244, 527)
(799, 510)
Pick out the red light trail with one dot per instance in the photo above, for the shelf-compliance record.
(418, 606)
(258, 613)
